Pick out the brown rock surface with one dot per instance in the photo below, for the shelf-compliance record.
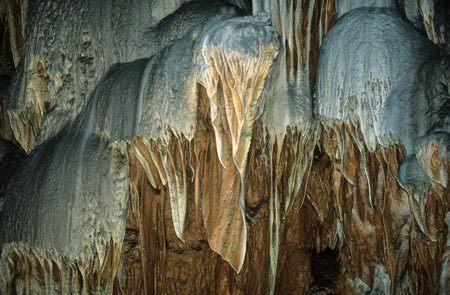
(179, 147)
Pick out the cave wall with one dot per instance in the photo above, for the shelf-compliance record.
(244, 147)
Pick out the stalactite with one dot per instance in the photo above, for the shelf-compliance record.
(15, 12)
(30, 270)
(233, 76)
(79, 46)
(182, 148)
(444, 281)
(389, 218)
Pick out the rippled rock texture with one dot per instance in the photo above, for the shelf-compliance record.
(224, 147)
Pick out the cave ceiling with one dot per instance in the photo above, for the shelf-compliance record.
(224, 147)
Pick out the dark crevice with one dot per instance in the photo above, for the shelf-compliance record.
(6, 71)
(325, 271)
(6, 58)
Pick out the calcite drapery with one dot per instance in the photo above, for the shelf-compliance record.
(376, 96)
(53, 83)
(204, 162)
(157, 90)
(233, 74)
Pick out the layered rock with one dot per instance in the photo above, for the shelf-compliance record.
(381, 102)
(58, 74)
(155, 101)
(188, 149)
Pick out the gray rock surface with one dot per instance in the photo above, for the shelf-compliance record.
(10, 158)
(78, 42)
(377, 81)
(108, 89)
(344, 6)
(70, 194)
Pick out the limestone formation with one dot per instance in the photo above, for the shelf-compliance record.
(224, 147)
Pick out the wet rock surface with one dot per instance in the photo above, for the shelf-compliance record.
(224, 147)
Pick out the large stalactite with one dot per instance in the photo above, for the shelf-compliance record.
(224, 147)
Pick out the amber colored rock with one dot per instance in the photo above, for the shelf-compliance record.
(224, 147)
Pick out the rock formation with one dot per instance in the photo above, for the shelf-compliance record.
(224, 147)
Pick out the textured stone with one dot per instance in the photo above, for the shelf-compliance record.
(180, 147)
